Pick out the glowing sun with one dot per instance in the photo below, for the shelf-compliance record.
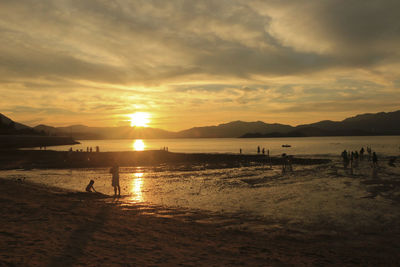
(139, 119)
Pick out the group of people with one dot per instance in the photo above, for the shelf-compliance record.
(114, 182)
(352, 158)
(88, 149)
(259, 150)
(287, 163)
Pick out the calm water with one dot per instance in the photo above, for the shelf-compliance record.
(389, 145)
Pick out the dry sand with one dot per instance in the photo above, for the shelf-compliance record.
(49, 227)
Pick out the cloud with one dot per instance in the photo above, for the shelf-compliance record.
(238, 57)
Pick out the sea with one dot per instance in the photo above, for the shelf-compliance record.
(296, 146)
(316, 194)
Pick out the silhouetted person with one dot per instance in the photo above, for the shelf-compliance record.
(90, 150)
(289, 161)
(263, 151)
(240, 151)
(345, 159)
(362, 153)
(115, 179)
(355, 159)
(97, 149)
(258, 149)
(90, 187)
(374, 160)
(351, 162)
(284, 163)
(369, 153)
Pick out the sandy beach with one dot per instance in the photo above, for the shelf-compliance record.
(45, 226)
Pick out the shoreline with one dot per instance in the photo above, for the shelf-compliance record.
(47, 159)
(29, 141)
(48, 226)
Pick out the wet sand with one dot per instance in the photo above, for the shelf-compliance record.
(43, 226)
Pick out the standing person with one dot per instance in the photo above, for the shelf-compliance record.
(374, 160)
(115, 179)
(284, 163)
(351, 162)
(362, 153)
(356, 159)
(345, 159)
(369, 153)
(258, 149)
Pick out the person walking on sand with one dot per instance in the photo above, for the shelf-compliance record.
(115, 179)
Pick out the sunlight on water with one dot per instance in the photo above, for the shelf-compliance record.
(138, 145)
(137, 184)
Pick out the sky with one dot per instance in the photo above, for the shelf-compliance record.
(197, 63)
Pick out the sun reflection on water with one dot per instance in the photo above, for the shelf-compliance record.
(137, 184)
(138, 145)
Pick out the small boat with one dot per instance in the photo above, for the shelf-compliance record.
(286, 145)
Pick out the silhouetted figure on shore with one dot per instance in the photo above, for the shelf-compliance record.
(97, 149)
(90, 187)
(351, 162)
(362, 153)
(355, 159)
(240, 151)
(369, 153)
(284, 163)
(258, 149)
(115, 179)
(90, 150)
(263, 151)
(374, 160)
(345, 159)
(289, 160)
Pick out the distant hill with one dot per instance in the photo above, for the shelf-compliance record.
(10, 127)
(366, 124)
(233, 129)
(123, 132)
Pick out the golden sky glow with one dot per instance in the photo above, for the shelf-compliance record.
(195, 63)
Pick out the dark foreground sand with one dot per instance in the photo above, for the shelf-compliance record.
(50, 227)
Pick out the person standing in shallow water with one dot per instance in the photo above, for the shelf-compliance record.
(115, 179)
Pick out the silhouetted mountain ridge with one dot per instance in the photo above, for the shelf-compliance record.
(382, 123)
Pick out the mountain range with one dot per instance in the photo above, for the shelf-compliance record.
(383, 123)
